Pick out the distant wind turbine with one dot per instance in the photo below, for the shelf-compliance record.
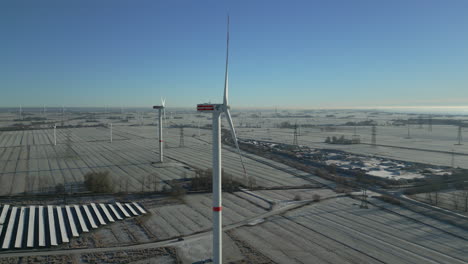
(55, 134)
(162, 111)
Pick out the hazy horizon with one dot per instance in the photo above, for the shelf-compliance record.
(436, 110)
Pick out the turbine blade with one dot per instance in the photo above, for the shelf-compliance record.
(234, 137)
(225, 99)
(164, 117)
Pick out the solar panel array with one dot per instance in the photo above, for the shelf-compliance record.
(45, 226)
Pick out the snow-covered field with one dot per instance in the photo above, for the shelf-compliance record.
(30, 163)
(334, 230)
(338, 231)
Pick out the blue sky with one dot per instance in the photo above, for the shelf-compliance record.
(305, 54)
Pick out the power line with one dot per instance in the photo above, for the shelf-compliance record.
(374, 135)
(452, 161)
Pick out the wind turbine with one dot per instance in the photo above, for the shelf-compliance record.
(162, 111)
(55, 134)
(217, 110)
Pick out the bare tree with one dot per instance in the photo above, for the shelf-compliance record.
(44, 183)
(121, 180)
(28, 184)
(436, 197)
(316, 197)
(148, 182)
(465, 198)
(99, 182)
(455, 200)
(155, 181)
(429, 197)
(59, 188)
(252, 182)
(436, 187)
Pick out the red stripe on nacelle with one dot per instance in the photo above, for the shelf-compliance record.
(217, 209)
(205, 107)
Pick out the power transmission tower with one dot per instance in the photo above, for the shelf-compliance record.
(430, 123)
(181, 138)
(409, 134)
(364, 202)
(295, 142)
(452, 161)
(374, 135)
(356, 138)
(459, 137)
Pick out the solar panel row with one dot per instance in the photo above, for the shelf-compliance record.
(45, 226)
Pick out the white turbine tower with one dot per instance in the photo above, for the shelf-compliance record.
(55, 134)
(217, 110)
(162, 111)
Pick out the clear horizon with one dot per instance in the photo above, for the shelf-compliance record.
(300, 54)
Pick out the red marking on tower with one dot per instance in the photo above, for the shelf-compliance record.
(217, 209)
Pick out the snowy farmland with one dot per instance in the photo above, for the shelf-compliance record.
(29, 162)
(294, 221)
(338, 231)
(331, 230)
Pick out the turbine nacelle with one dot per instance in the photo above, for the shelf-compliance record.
(162, 106)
